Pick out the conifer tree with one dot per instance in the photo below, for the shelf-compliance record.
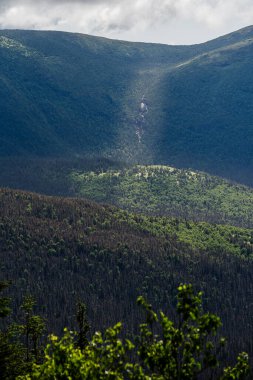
(83, 325)
(32, 329)
(11, 363)
(183, 350)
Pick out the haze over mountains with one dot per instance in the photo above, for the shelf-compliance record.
(70, 95)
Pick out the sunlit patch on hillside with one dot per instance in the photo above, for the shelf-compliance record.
(9, 43)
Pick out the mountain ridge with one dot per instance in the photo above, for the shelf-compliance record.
(78, 95)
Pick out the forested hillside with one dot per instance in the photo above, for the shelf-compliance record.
(150, 189)
(164, 190)
(62, 250)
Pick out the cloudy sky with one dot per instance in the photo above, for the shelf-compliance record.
(165, 21)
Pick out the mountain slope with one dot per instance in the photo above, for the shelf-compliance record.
(62, 250)
(64, 94)
(152, 190)
(209, 102)
(63, 91)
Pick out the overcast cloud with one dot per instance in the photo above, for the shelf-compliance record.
(166, 21)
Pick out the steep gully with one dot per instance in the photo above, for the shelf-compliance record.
(140, 119)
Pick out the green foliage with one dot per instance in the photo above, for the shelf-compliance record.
(32, 329)
(239, 370)
(11, 357)
(11, 351)
(186, 348)
(178, 352)
(165, 190)
(25, 339)
(70, 249)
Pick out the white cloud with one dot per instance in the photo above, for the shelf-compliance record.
(182, 21)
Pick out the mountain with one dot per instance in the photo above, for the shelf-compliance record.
(134, 125)
(68, 96)
(62, 250)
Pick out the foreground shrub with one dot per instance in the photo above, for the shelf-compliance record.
(185, 350)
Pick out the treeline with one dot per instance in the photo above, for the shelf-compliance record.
(49, 176)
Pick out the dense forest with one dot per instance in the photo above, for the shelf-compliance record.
(73, 95)
(165, 190)
(186, 348)
(64, 250)
(147, 189)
